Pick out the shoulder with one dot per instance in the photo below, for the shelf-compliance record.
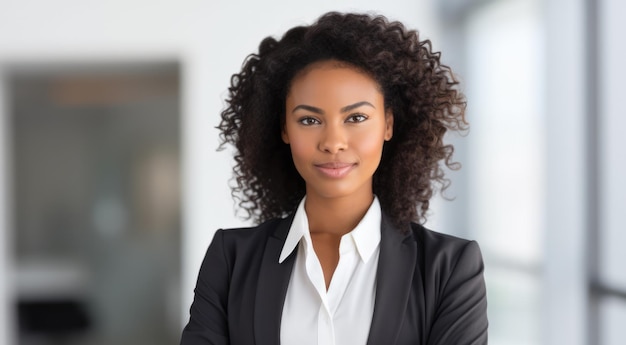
(433, 239)
(245, 234)
(446, 252)
(250, 240)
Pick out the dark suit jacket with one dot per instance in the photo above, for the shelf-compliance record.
(429, 288)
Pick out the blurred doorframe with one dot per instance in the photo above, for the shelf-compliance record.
(8, 323)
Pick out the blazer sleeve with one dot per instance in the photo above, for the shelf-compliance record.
(461, 317)
(208, 323)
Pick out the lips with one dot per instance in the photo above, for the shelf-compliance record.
(335, 169)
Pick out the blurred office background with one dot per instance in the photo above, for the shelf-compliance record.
(111, 188)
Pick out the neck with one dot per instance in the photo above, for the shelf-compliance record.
(336, 216)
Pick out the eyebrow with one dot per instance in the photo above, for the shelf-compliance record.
(343, 110)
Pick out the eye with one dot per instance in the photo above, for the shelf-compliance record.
(355, 118)
(309, 121)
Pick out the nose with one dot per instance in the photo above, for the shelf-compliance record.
(333, 139)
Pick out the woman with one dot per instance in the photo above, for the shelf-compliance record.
(338, 130)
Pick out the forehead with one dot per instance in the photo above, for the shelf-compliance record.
(332, 79)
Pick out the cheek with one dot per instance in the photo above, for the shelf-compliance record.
(370, 145)
(301, 148)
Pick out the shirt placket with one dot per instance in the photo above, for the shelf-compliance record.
(330, 299)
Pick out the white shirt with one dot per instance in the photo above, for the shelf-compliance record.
(343, 314)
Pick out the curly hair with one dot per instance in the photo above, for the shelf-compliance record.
(421, 92)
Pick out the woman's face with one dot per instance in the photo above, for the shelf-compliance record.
(336, 124)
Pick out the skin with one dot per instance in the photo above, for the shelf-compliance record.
(336, 125)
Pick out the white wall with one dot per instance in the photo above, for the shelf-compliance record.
(570, 315)
(564, 291)
(209, 38)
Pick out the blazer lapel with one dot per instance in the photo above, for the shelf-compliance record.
(272, 287)
(396, 266)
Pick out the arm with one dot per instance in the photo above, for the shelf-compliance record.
(461, 317)
(208, 322)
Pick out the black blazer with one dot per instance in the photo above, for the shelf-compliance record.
(429, 288)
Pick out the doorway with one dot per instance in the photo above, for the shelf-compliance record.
(95, 152)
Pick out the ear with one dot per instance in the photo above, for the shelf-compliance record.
(388, 125)
(284, 135)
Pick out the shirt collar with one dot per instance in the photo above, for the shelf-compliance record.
(366, 234)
